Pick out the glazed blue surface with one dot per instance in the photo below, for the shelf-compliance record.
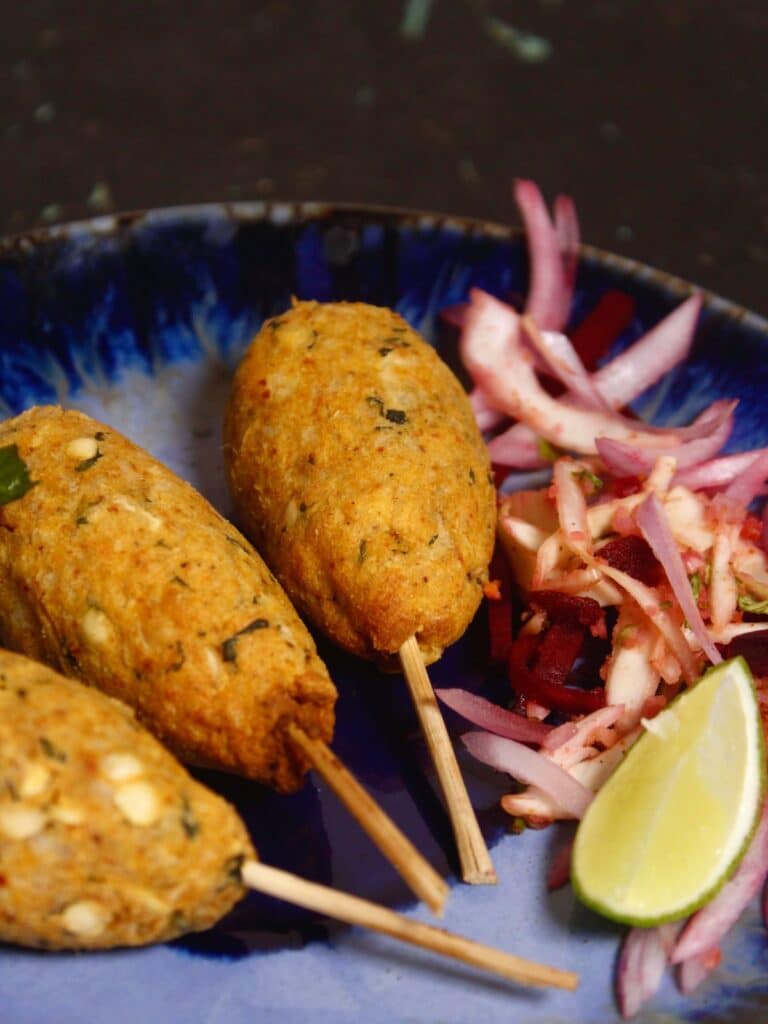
(140, 321)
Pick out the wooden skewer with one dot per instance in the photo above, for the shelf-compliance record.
(355, 911)
(396, 847)
(476, 865)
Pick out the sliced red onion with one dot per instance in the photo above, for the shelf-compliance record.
(634, 460)
(628, 374)
(694, 970)
(652, 520)
(562, 360)
(568, 237)
(491, 717)
(549, 297)
(707, 927)
(527, 766)
(642, 961)
(749, 482)
(498, 363)
(490, 336)
(716, 473)
(486, 416)
(517, 447)
(559, 872)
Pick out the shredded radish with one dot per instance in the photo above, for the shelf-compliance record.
(493, 718)
(563, 744)
(526, 765)
(653, 523)
(572, 506)
(549, 295)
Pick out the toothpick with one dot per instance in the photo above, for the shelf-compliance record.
(396, 847)
(476, 865)
(355, 911)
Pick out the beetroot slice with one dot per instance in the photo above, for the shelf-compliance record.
(528, 683)
(633, 555)
(753, 647)
(566, 608)
(602, 326)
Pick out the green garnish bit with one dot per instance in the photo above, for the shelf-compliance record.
(547, 451)
(695, 582)
(747, 603)
(14, 475)
(590, 477)
(51, 750)
(229, 647)
(86, 464)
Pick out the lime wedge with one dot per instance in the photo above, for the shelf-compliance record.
(673, 821)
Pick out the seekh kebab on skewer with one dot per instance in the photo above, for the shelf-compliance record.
(358, 471)
(115, 571)
(106, 841)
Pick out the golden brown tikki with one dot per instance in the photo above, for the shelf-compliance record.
(115, 571)
(105, 840)
(358, 471)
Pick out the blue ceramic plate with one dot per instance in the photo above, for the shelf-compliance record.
(140, 320)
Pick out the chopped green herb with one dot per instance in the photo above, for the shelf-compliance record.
(747, 603)
(395, 416)
(590, 477)
(547, 451)
(189, 822)
(51, 750)
(14, 475)
(695, 582)
(432, 539)
(86, 464)
(232, 867)
(229, 647)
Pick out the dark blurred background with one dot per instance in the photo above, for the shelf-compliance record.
(650, 113)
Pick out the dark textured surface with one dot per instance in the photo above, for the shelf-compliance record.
(650, 114)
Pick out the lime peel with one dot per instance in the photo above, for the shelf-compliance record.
(672, 823)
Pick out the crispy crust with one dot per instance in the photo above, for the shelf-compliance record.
(358, 471)
(115, 571)
(85, 875)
